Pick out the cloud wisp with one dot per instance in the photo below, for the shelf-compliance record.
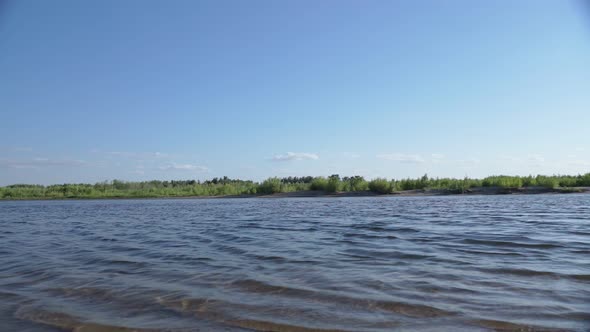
(184, 167)
(350, 155)
(36, 163)
(531, 159)
(138, 155)
(469, 161)
(16, 148)
(535, 158)
(295, 156)
(402, 158)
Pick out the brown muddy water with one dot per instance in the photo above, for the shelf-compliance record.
(451, 263)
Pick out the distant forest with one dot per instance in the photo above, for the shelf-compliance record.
(226, 186)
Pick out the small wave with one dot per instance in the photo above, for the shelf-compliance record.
(260, 325)
(85, 292)
(107, 239)
(357, 257)
(579, 233)
(404, 230)
(583, 316)
(496, 253)
(10, 296)
(406, 309)
(370, 236)
(512, 244)
(227, 313)
(72, 323)
(127, 299)
(185, 304)
(524, 272)
(231, 249)
(126, 262)
(255, 286)
(276, 259)
(390, 254)
(54, 319)
(178, 257)
(535, 273)
(581, 277)
(503, 326)
(370, 227)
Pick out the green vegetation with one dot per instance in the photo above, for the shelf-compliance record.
(382, 186)
(334, 183)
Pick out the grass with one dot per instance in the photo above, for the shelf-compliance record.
(334, 183)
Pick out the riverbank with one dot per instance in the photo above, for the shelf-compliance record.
(306, 186)
(364, 193)
(432, 192)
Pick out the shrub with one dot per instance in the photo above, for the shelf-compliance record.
(503, 181)
(270, 186)
(380, 186)
(355, 183)
(333, 185)
(319, 183)
(546, 181)
(583, 180)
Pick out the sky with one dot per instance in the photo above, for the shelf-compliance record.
(141, 89)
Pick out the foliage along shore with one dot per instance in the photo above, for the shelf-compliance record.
(308, 186)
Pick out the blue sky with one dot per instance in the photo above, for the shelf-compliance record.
(136, 90)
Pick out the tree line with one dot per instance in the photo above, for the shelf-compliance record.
(226, 186)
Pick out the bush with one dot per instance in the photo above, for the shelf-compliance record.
(333, 184)
(319, 183)
(503, 181)
(270, 186)
(380, 186)
(583, 180)
(547, 181)
(355, 183)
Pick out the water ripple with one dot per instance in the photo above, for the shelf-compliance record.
(452, 263)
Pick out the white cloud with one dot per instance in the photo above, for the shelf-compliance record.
(295, 156)
(437, 156)
(22, 149)
(583, 163)
(350, 155)
(509, 158)
(40, 163)
(138, 155)
(16, 148)
(139, 169)
(184, 167)
(529, 159)
(402, 158)
(535, 158)
(469, 161)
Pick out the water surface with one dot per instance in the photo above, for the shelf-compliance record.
(456, 263)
